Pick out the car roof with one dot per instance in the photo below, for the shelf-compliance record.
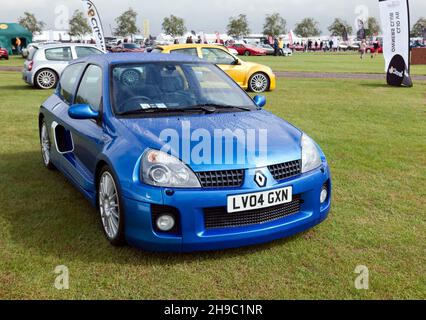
(189, 45)
(130, 57)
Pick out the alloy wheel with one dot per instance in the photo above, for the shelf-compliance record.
(46, 79)
(109, 205)
(45, 144)
(259, 82)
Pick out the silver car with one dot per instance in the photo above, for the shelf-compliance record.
(44, 65)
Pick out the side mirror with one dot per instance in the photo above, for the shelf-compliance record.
(82, 112)
(237, 62)
(260, 101)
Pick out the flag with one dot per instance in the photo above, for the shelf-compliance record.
(361, 30)
(395, 19)
(345, 34)
(96, 24)
(290, 37)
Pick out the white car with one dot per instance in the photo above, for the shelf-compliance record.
(233, 51)
(34, 46)
(45, 64)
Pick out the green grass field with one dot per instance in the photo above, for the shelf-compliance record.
(375, 140)
(14, 61)
(319, 62)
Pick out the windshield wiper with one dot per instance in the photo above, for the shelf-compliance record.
(207, 108)
(212, 107)
(162, 110)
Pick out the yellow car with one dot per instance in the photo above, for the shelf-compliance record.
(250, 76)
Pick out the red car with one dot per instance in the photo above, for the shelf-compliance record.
(128, 47)
(4, 54)
(370, 49)
(248, 49)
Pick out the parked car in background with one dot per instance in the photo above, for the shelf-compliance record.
(34, 46)
(268, 48)
(151, 195)
(44, 65)
(4, 54)
(417, 44)
(249, 75)
(355, 46)
(247, 49)
(297, 47)
(372, 49)
(128, 47)
(287, 52)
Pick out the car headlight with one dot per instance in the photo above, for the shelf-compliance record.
(311, 158)
(163, 170)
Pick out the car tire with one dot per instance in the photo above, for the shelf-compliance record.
(247, 53)
(46, 79)
(259, 82)
(109, 207)
(45, 146)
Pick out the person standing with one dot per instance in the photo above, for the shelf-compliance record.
(376, 49)
(363, 49)
(276, 47)
(281, 46)
(18, 45)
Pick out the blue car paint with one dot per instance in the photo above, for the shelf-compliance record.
(121, 142)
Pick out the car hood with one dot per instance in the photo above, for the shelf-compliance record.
(201, 137)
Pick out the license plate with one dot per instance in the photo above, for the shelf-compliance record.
(258, 200)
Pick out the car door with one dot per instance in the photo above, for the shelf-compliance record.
(60, 124)
(88, 134)
(226, 62)
(58, 58)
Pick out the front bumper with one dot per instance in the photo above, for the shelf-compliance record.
(273, 82)
(190, 204)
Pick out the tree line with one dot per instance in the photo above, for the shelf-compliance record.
(274, 25)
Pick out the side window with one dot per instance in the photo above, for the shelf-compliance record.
(187, 51)
(217, 56)
(86, 51)
(90, 90)
(68, 80)
(58, 54)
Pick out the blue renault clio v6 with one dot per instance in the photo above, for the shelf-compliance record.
(177, 157)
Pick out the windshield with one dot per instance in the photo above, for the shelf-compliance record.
(166, 86)
(130, 46)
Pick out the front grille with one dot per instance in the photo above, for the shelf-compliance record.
(215, 218)
(286, 170)
(221, 179)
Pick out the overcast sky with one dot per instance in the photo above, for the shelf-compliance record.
(205, 15)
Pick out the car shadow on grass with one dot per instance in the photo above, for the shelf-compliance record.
(19, 87)
(46, 216)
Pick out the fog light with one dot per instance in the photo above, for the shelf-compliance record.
(324, 194)
(165, 222)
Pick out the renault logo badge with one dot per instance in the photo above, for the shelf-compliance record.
(260, 179)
